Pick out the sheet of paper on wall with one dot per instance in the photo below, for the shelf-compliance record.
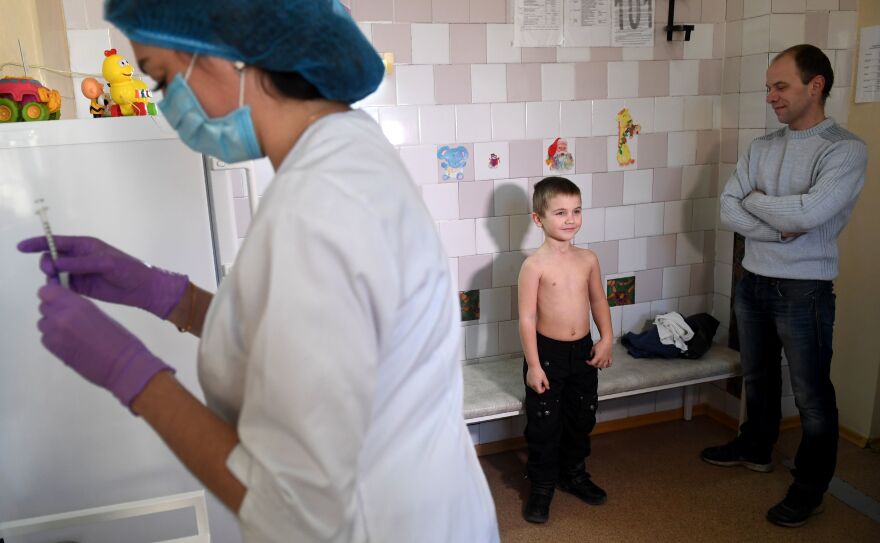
(587, 23)
(868, 81)
(632, 23)
(537, 23)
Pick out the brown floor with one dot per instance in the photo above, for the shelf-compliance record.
(659, 490)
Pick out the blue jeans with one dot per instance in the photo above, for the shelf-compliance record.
(798, 316)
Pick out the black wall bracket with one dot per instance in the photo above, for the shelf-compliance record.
(671, 27)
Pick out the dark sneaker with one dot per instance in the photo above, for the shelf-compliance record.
(584, 488)
(794, 511)
(735, 454)
(537, 508)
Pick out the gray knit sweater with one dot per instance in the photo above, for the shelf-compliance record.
(811, 179)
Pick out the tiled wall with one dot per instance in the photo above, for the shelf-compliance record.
(756, 31)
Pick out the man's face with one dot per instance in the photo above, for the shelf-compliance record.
(791, 99)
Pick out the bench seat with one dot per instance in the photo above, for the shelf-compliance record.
(494, 390)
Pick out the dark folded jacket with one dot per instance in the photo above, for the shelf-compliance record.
(647, 344)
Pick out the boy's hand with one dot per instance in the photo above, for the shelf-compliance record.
(600, 356)
(536, 379)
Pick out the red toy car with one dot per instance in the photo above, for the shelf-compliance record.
(27, 99)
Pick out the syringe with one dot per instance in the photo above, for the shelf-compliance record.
(47, 230)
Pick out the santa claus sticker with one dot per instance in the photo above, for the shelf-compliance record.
(559, 156)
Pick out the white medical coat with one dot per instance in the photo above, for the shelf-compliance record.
(332, 346)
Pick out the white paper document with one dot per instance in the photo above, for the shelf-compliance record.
(868, 80)
(584, 23)
(632, 23)
(537, 23)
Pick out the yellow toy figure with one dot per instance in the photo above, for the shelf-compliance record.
(130, 96)
(93, 90)
(625, 129)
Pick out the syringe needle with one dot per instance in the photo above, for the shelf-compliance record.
(50, 239)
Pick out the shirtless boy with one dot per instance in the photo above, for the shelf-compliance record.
(558, 287)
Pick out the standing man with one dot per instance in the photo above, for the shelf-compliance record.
(791, 195)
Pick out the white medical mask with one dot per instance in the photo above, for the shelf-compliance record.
(230, 138)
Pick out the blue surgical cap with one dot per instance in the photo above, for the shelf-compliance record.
(314, 38)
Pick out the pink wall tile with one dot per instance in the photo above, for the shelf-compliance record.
(394, 38)
(488, 11)
(590, 80)
(592, 155)
(708, 146)
(653, 78)
(729, 144)
(702, 278)
(539, 54)
(661, 251)
(649, 285)
(467, 44)
(523, 82)
(667, 184)
(450, 11)
(412, 11)
(373, 10)
(652, 150)
(607, 189)
(606, 54)
(475, 200)
(525, 158)
(469, 168)
(849, 5)
(441, 200)
(713, 11)
(734, 10)
(474, 272)
(710, 77)
(709, 246)
(730, 79)
(606, 252)
(452, 83)
(816, 29)
(687, 11)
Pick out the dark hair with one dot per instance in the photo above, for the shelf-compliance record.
(292, 85)
(549, 187)
(810, 62)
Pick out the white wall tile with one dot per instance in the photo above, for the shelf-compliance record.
(756, 35)
(524, 233)
(637, 186)
(488, 83)
(592, 226)
(642, 111)
(473, 122)
(482, 152)
(724, 246)
(400, 124)
(458, 237)
(721, 309)
(493, 234)
(788, 6)
(696, 181)
(649, 219)
(688, 248)
(632, 255)
(705, 213)
(442, 200)
(681, 148)
(619, 222)
(723, 278)
(584, 181)
(542, 120)
(557, 82)
(676, 281)
(572, 54)
(753, 8)
(505, 268)
(421, 162)
(752, 110)
(509, 121)
(733, 39)
(843, 68)
(605, 116)
(677, 216)
(511, 197)
(823, 5)
(669, 114)
(499, 44)
(495, 304)
(700, 44)
(788, 30)
(842, 29)
(481, 340)
(753, 72)
(430, 43)
(691, 305)
(659, 307)
(638, 53)
(437, 124)
(684, 77)
(576, 121)
(415, 85)
(633, 319)
(508, 337)
(75, 14)
(699, 112)
(623, 79)
(838, 104)
(453, 271)
(85, 50)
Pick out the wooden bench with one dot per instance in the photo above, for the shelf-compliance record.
(495, 390)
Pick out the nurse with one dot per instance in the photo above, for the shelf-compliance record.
(328, 357)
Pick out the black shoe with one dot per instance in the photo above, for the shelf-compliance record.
(795, 510)
(537, 507)
(580, 484)
(736, 453)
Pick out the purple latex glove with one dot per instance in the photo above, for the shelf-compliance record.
(94, 345)
(105, 273)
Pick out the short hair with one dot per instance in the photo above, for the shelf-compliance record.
(549, 187)
(810, 62)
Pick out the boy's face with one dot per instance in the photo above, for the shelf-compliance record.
(562, 218)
